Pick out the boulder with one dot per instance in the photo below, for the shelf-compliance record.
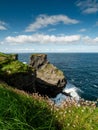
(49, 79)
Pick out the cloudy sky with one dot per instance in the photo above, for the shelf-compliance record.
(49, 25)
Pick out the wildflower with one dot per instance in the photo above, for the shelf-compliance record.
(78, 105)
(65, 112)
(74, 126)
(82, 110)
(69, 111)
(77, 116)
(56, 116)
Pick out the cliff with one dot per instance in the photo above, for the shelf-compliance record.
(40, 76)
(15, 73)
(48, 77)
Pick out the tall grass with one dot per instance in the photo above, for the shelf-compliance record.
(21, 111)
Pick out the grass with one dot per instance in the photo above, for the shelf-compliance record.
(10, 65)
(78, 118)
(6, 58)
(21, 111)
(15, 67)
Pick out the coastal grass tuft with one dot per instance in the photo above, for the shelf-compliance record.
(21, 111)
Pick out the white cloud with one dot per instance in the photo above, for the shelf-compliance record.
(82, 30)
(96, 40)
(90, 10)
(41, 38)
(2, 26)
(88, 40)
(44, 20)
(88, 6)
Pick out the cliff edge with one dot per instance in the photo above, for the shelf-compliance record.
(39, 76)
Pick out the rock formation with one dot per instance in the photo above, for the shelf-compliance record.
(49, 79)
(40, 76)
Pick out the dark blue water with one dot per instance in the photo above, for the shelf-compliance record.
(81, 70)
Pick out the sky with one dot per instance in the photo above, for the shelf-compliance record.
(48, 26)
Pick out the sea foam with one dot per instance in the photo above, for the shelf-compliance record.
(70, 89)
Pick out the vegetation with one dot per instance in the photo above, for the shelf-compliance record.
(10, 65)
(15, 67)
(21, 111)
(76, 117)
(49, 67)
(5, 58)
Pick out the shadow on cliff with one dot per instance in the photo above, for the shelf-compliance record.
(47, 89)
(31, 84)
(23, 81)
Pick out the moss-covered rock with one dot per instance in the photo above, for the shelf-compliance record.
(6, 58)
(15, 73)
(49, 79)
(52, 75)
(15, 67)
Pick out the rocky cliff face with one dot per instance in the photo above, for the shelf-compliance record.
(40, 76)
(16, 73)
(38, 60)
(49, 79)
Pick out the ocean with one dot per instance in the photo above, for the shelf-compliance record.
(80, 69)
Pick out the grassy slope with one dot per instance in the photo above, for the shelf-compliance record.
(19, 111)
(78, 118)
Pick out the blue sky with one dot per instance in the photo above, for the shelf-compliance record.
(49, 25)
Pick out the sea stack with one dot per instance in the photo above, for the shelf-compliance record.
(49, 79)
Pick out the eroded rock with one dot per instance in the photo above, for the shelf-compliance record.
(49, 79)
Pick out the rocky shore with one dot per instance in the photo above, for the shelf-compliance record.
(39, 76)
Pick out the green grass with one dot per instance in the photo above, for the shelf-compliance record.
(78, 118)
(15, 67)
(18, 111)
(6, 58)
(21, 111)
(10, 65)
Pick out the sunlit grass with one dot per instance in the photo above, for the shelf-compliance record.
(21, 111)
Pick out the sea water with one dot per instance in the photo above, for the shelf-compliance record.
(81, 71)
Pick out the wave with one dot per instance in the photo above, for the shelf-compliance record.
(70, 89)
